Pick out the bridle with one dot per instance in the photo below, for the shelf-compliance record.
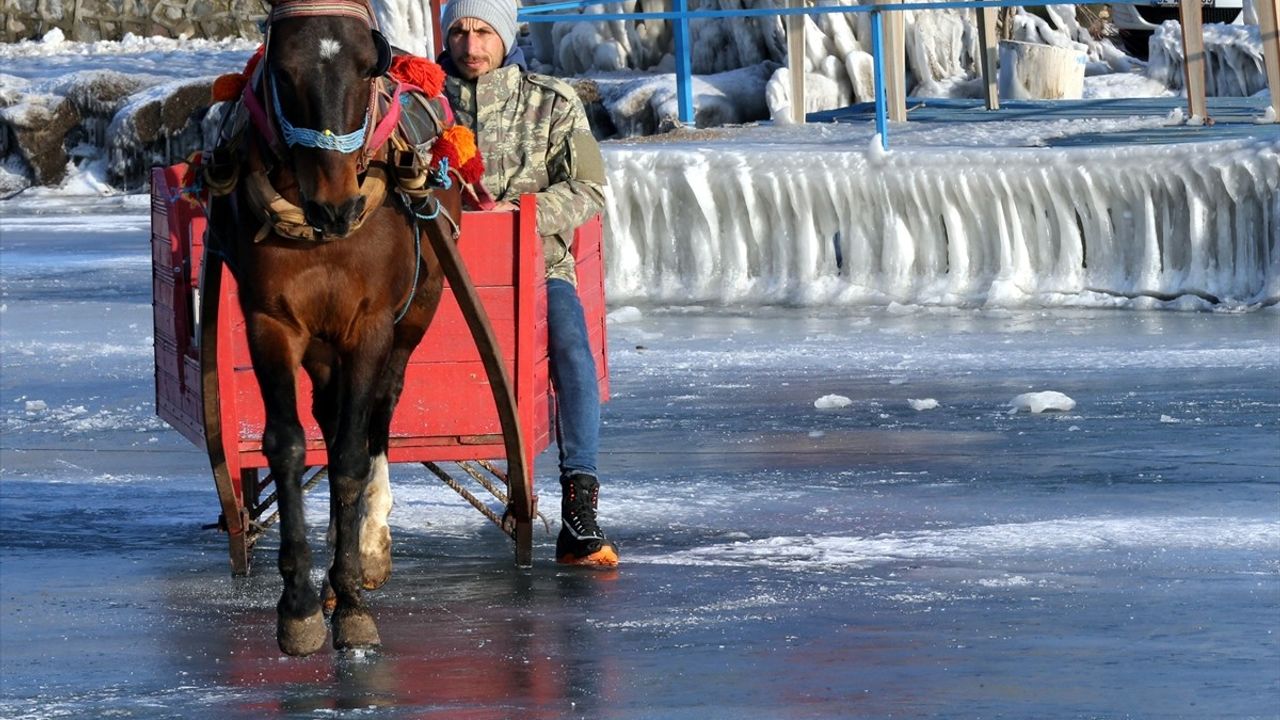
(288, 134)
(374, 140)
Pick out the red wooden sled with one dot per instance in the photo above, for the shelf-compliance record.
(447, 412)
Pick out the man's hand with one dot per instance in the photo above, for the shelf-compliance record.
(504, 205)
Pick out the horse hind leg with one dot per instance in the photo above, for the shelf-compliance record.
(300, 627)
(375, 532)
(375, 508)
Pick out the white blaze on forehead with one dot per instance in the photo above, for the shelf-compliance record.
(329, 48)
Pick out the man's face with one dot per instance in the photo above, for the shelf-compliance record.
(475, 47)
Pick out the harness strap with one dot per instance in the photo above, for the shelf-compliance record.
(390, 120)
(310, 8)
(282, 217)
(258, 114)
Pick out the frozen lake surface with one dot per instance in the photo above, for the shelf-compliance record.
(869, 560)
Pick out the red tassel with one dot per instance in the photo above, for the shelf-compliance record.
(419, 71)
(472, 170)
(444, 149)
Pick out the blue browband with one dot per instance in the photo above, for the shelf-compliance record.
(326, 140)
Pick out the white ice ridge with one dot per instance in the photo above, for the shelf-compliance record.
(822, 223)
(1067, 535)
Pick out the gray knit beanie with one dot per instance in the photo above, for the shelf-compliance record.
(500, 14)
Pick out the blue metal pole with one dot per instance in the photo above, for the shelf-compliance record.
(684, 64)
(877, 64)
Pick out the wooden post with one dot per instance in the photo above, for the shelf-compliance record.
(1193, 57)
(896, 67)
(795, 61)
(1269, 25)
(437, 36)
(987, 54)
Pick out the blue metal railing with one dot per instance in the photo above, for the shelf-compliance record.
(681, 15)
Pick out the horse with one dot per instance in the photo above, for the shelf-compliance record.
(332, 278)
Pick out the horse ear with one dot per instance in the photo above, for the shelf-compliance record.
(383, 63)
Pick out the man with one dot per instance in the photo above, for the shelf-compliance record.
(532, 132)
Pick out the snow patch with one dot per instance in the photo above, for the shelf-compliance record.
(832, 402)
(1038, 402)
(625, 314)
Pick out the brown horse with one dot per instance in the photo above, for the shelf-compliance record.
(332, 278)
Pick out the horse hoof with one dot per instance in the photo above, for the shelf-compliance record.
(301, 636)
(354, 629)
(374, 574)
(375, 560)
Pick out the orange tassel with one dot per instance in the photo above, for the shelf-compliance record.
(463, 141)
(230, 86)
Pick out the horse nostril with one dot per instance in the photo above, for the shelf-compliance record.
(318, 215)
(352, 208)
(333, 220)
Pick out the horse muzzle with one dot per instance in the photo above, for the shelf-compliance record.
(333, 222)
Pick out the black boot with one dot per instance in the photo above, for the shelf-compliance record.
(581, 542)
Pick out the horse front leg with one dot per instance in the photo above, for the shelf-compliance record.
(321, 363)
(349, 469)
(275, 348)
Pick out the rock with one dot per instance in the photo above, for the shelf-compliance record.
(34, 128)
(157, 126)
(102, 93)
(187, 104)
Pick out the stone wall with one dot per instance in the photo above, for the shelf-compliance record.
(89, 20)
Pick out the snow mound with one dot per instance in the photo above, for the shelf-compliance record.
(832, 402)
(1038, 402)
(625, 314)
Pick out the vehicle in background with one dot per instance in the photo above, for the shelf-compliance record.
(1136, 22)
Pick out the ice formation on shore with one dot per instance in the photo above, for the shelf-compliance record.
(822, 224)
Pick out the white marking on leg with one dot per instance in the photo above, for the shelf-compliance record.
(329, 48)
(375, 535)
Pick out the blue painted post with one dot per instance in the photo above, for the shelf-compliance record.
(684, 65)
(877, 64)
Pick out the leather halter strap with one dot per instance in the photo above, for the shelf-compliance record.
(311, 8)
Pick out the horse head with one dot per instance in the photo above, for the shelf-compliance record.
(323, 60)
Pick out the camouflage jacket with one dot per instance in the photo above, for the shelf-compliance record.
(532, 132)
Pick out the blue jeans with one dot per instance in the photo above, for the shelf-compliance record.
(573, 375)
